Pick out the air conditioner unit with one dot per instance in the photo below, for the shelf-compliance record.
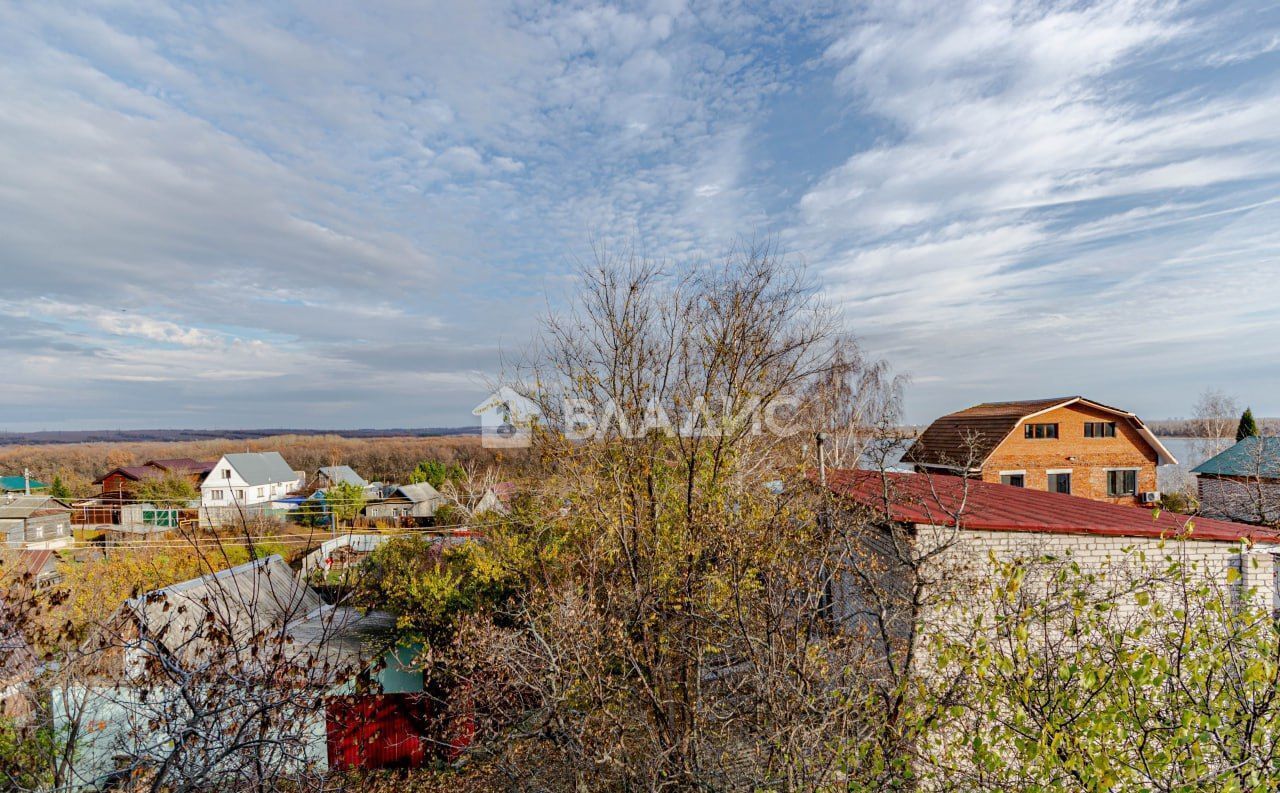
(1149, 497)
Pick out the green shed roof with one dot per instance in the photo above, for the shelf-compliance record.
(14, 483)
(1251, 457)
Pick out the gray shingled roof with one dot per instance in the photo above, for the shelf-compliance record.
(420, 492)
(19, 507)
(264, 596)
(261, 468)
(1251, 457)
(343, 473)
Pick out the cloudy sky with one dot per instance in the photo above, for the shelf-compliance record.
(342, 214)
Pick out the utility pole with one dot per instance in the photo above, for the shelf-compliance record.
(826, 603)
(26, 480)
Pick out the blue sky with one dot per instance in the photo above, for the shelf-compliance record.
(343, 214)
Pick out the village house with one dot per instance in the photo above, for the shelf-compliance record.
(1069, 445)
(29, 569)
(257, 621)
(34, 521)
(1243, 482)
(122, 483)
(496, 499)
(415, 503)
(245, 482)
(331, 475)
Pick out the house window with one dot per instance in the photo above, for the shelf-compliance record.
(215, 495)
(1099, 429)
(1060, 483)
(1015, 480)
(261, 492)
(239, 495)
(226, 473)
(1122, 483)
(1039, 431)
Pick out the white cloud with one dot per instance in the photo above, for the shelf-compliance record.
(339, 212)
(1034, 194)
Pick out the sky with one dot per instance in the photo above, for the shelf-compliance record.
(256, 213)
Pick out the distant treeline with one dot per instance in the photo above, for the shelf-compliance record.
(385, 459)
(1194, 428)
(164, 436)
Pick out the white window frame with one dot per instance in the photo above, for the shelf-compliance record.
(1136, 470)
(1021, 473)
(1051, 471)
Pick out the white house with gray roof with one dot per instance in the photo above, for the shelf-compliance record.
(248, 479)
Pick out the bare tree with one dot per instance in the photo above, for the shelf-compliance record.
(1215, 416)
(677, 629)
(216, 682)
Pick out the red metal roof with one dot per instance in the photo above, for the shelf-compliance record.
(939, 500)
(32, 563)
(135, 472)
(186, 465)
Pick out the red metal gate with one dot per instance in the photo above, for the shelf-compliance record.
(377, 731)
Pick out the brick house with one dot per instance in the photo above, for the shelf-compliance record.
(1067, 445)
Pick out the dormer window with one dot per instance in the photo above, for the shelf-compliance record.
(1041, 431)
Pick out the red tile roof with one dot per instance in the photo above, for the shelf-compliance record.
(938, 499)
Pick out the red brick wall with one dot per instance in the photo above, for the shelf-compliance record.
(1087, 458)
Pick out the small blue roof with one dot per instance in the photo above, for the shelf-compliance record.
(1251, 457)
(14, 483)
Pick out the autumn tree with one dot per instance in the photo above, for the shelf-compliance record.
(436, 473)
(170, 491)
(344, 501)
(677, 639)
